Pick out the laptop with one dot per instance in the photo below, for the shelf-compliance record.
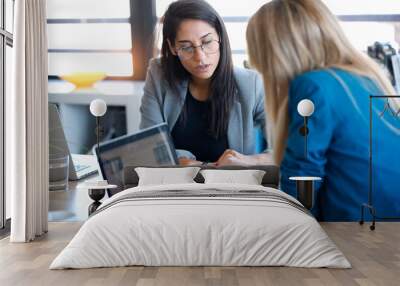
(80, 166)
(148, 147)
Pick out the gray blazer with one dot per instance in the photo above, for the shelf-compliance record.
(161, 104)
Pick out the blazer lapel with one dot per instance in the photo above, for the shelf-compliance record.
(173, 104)
(235, 128)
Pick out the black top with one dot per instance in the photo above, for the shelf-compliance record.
(191, 131)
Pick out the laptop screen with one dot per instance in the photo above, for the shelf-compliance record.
(148, 147)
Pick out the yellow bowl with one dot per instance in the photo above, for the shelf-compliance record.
(83, 79)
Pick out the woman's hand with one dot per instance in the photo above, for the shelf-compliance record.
(183, 161)
(232, 157)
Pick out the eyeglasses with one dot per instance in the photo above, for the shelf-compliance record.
(208, 47)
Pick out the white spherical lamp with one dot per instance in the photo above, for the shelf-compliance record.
(98, 107)
(305, 108)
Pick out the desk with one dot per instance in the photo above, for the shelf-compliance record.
(114, 93)
(71, 205)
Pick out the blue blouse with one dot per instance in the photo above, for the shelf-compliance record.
(338, 146)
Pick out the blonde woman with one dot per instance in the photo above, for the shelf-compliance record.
(302, 53)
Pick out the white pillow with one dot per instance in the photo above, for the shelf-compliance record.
(248, 177)
(164, 176)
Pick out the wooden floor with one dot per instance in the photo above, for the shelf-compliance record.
(375, 257)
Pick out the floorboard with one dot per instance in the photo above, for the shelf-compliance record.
(375, 257)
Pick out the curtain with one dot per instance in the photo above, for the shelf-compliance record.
(27, 124)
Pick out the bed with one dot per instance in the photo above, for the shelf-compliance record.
(201, 224)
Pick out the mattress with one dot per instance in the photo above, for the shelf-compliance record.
(201, 225)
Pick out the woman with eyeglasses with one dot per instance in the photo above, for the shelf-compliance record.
(211, 107)
(302, 52)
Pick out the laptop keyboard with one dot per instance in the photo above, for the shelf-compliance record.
(79, 167)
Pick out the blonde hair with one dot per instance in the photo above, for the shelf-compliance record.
(289, 37)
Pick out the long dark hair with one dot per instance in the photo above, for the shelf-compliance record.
(222, 87)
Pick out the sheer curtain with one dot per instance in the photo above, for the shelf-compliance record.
(27, 124)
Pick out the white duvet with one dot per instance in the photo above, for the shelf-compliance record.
(200, 231)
